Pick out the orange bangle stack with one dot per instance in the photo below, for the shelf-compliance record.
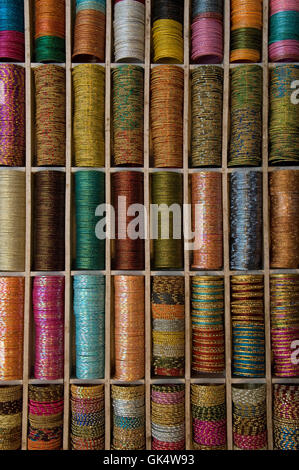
(49, 30)
(246, 30)
(89, 34)
(11, 327)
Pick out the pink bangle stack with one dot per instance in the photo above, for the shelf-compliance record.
(48, 309)
(284, 31)
(207, 32)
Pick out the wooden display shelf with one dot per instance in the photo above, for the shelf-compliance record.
(147, 272)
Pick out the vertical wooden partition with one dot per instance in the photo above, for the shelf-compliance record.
(148, 272)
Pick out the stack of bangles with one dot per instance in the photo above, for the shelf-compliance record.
(89, 31)
(49, 30)
(128, 28)
(207, 31)
(284, 31)
(128, 417)
(11, 327)
(286, 417)
(167, 31)
(168, 325)
(208, 417)
(246, 30)
(284, 298)
(247, 311)
(87, 417)
(12, 39)
(207, 315)
(249, 417)
(10, 417)
(45, 417)
(168, 417)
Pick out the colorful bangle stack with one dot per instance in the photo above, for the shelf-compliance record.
(129, 327)
(45, 417)
(128, 28)
(207, 316)
(208, 417)
(248, 335)
(168, 325)
(284, 296)
(284, 123)
(167, 31)
(206, 197)
(87, 417)
(90, 31)
(246, 30)
(48, 311)
(49, 30)
(49, 220)
(127, 110)
(11, 327)
(246, 116)
(207, 31)
(12, 115)
(168, 417)
(89, 194)
(206, 124)
(89, 311)
(10, 417)
(167, 189)
(12, 39)
(286, 417)
(50, 111)
(249, 417)
(128, 190)
(12, 220)
(167, 101)
(89, 115)
(284, 224)
(128, 431)
(284, 31)
(246, 220)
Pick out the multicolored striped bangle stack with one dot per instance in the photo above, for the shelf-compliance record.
(87, 417)
(207, 316)
(208, 417)
(10, 417)
(284, 31)
(206, 123)
(283, 118)
(48, 311)
(89, 310)
(45, 417)
(286, 417)
(49, 27)
(168, 417)
(249, 417)
(12, 115)
(128, 431)
(246, 116)
(127, 115)
(89, 194)
(246, 30)
(248, 335)
(168, 325)
(89, 115)
(284, 297)
(11, 327)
